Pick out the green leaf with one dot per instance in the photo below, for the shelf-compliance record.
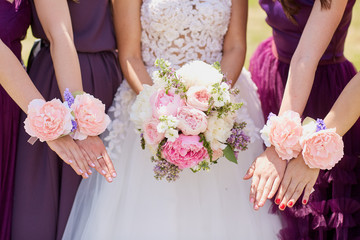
(229, 154)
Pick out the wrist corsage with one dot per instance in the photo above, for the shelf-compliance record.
(80, 115)
(283, 132)
(320, 147)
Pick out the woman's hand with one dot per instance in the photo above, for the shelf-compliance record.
(267, 172)
(298, 176)
(66, 148)
(97, 156)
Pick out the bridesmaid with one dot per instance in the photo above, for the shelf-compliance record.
(14, 21)
(45, 187)
(306, 54)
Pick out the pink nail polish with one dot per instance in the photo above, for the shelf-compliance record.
(110, 179)
(92, 165)
(103, 172)
(81, 171)
(256, 207)
(86, 175)
(252, 200)
(90, 171)
(114, 174)
(70, 161)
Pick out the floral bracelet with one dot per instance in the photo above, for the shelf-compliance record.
(320, 147)
(79, 116)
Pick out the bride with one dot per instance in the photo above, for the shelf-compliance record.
(205, 205)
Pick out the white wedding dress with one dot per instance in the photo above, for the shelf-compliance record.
(206, 205)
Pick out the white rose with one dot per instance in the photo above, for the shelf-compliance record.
(198, 73)
(219, 130)
(141, 110)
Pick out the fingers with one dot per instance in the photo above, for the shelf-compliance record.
(259, 192)
(254, 185)
(104, 168)
(80, 159)
(267, 189)
(297, 193)
(282, 190)
(308, 190)
(250, 172)
(109, 164)
(289, 192)
(274, 188)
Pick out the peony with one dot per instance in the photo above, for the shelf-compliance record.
(198, 97)
(141, 109)
(284, 133)
(198, 73)
(90, 116)
(191, 121)
(323, 149)
(151, 134)
(48, 120)
(185, 151)
(163, 103)
(219, 130)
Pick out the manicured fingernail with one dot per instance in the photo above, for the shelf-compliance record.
(252, 200)
(86, 175)
(92, 165)
(304, 201)
(81, 171)
(103, 171)
(290, 204)
(277, 201)
(256, 207)
(70, 161)
(114, 174)
(109, 179)
(89, 171)
(282, 206)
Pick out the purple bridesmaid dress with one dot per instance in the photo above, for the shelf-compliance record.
(45, 186)
(333, 211)
(14, 21)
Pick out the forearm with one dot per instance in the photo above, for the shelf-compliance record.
(233, 62)
(135, 73)
(15, 80)
(346, 109)
(58, 29)
(314, 40)
(66, 63)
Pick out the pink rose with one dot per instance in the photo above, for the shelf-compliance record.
(185, 151)
(323, 149)
(285, 133)
(198, 97)
(151, 134)
(48, 120)
(90, 116)
(191, 121)
(163, 103)
(217, 153)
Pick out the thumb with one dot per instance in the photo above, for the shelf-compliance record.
(250, 172)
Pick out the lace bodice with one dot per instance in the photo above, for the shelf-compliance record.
(183, 30)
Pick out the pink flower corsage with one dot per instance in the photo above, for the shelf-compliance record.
(48, 120)
(90, 116)
(322, 147)
(283, 132)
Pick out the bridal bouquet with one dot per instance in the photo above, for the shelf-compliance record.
(187, 119)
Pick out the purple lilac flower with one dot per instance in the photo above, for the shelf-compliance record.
(165, 169)
(238, 139)
(74, 125)
(69, 98)
(320, 125)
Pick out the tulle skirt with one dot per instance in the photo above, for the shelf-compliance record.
(333, 211)
(205, 205)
